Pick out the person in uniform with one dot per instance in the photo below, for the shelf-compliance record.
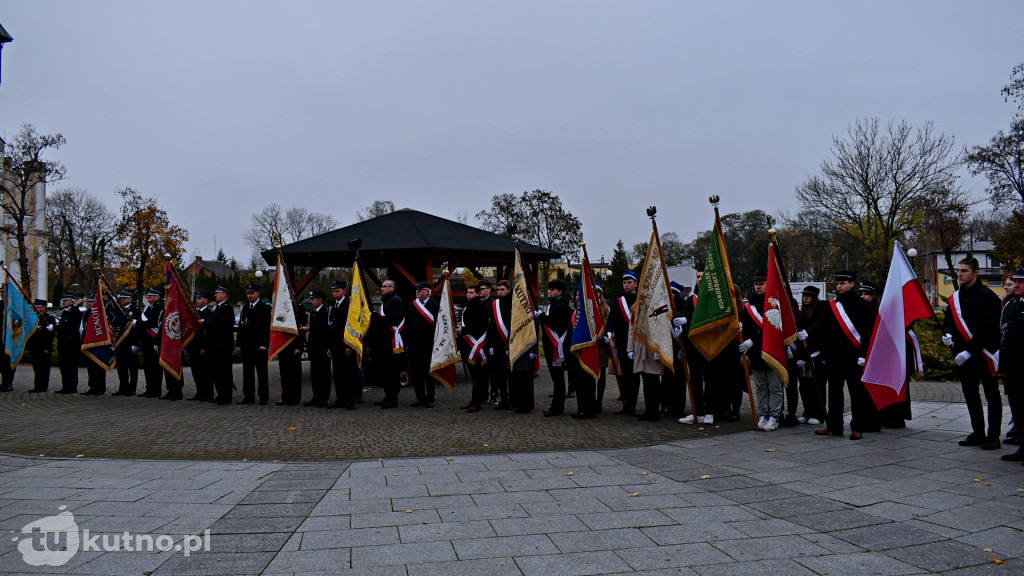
(619, 319)
(603, 349)
(97, 382)
(497, 343)
(419, 343)
(253, 341)
(318, 346)
(473, 346)
(971, 327)
(812, 378)
(40, 348)
(767, 383)
(344, 362)
(556, 323)
(703, 395)
(199, 352)
(389, 349)
(220, 327)
(69, 343)
(127, 353)
(844, 331)
(149, 320)
(289, 363)
(1011, 365)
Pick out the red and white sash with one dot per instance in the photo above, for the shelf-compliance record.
(961, 325)
(844, 321)
(916, 347)
(477, 354)
(624, 307)
(500, 322)
(424, 312)
(556, 341)
(752, 310)
(397, 345)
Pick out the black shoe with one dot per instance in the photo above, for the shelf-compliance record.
(280, 403)
(501, 406)
(389, 405)
(170, 396)
(379, 402)
(94, 393)
(223, 402)
(548, 413)
(11, 389)
(263, 402)
(418, 404)
(571, 394)
(645, 417)
(990, 444)
(150, 394)
(246, 401)
(68, 391)
(581, 416)
(1017, 456)
(973, 440)
(732, 416)
(625, 412)
(196, 398)
(32, 391)
(789, 420)
(1012, 441)
(310, 403)
(350, 406)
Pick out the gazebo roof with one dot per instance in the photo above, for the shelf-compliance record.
(404, 233)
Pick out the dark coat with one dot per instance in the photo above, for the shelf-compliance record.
(254, 326)
(1012, 326)
(220, 329)
(827, 332)
(419, 331)
(981, 310)
(69, 335)
(558, 318)
(41, 341)
(318, 339)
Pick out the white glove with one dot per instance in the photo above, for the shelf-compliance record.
(156, 348)
(655, 356)
(49, 327)
(629, 355)
(861, 362)
(135, 348)
(533, 356)
(746, 345)
(490, 351)
(789, 352)
(606, 337)
(947, 339)
(962, 357)
(741, 326)
(800, 364)
(537, 313)
(677, 331)
(680, 322)
(133, 322)
(801, 335)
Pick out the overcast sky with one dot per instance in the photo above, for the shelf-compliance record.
(219, 108)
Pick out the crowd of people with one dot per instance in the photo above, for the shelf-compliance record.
(826, 361)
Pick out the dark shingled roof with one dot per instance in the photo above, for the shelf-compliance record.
(406, 231)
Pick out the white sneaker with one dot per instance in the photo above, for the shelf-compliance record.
(813, 421)
(801, 419)
(687, 420)
(770, 425)
(760, 423)
(709, 419)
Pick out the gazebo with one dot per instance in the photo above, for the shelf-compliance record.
(410, 244)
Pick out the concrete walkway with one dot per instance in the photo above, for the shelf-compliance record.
(747, 503)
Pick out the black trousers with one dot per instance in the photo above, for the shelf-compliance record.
(585, 387)
(497, 365)
(320, 376)
(6, 371)
(202, 375)
(652, 393)
(813, 391)
(557, 387)
(673, 389)
(97, 377)
(520, 385)
(68, 364)
(152, 368)
(602, 383)
(630, 384)
(254, 370)
(973, 373)
(290, 365)
(174, 385)
(696, 364)
(41, 370)
(127, 369)
(863, 414)
(347, 385)
(223, 379)
(479, 374)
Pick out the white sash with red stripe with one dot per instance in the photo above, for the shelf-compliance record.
(500, 322)
(752, 310)
(556, 340)
(397, 345)
(992, 359)
(477, 354)
(916, 347)
(844, 321)
(424, 312)
(624, 307)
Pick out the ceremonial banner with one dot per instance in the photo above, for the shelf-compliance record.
(106, 326)
(359, 313)
(444, 357)
(903, 302)
(716, 319)
(522, 332)
(652, 313)
(179, 325)
(20, 320)
(283, 327)
(588, 325)
(779, 327)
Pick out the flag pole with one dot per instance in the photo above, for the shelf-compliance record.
(773, 237)
(714, 200)
(652, 213)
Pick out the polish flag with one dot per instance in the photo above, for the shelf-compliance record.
(903, 302)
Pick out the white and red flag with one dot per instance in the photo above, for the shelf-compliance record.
(283, 326)
(444, 356)
(778, 328)
(903, 302)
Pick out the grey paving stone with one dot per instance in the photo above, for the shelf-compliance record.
(837, 520)
(1004, 541)
(506, 498)
(272, 542)
(761, 493)
(283, 496)
(691, 533)
(798, 506)
(645, 502)
(970, 518)
(465, 488)
(894, 511)
(331, 560)
(300, 509)
(863, 495)
(503, 546)
(538, 525)
(322, 539)
(123, 563)
(831, 543)
(559, 507)
(572, 564)
(673, 556)
(857, 565)
(751, 549)
(941, 556)
(394, 518)
(214, 564)
(489, 566)
(331, 506)
(249, 525)
(319, 523)
(773, 567)
(404, 553)
(626, 519)
(886, 536)
(445, 531)
(706, 514)
(768, 527)
(615, 539)
(417, 503)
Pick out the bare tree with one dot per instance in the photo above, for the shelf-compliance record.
(24, 168)
(274, 224)
(875, 180)
(945, 222)
(81, 228)
(378, 208)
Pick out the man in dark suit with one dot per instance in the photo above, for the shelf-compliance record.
(343, 359)
(318, 345)
(69, 343)
(199, 352)
(127, 353)
(557, 323)
(388, 324)
(40, 347)
(419, 342)
(289, 362)
(149, 338)
(220, 328)
(253, 342)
